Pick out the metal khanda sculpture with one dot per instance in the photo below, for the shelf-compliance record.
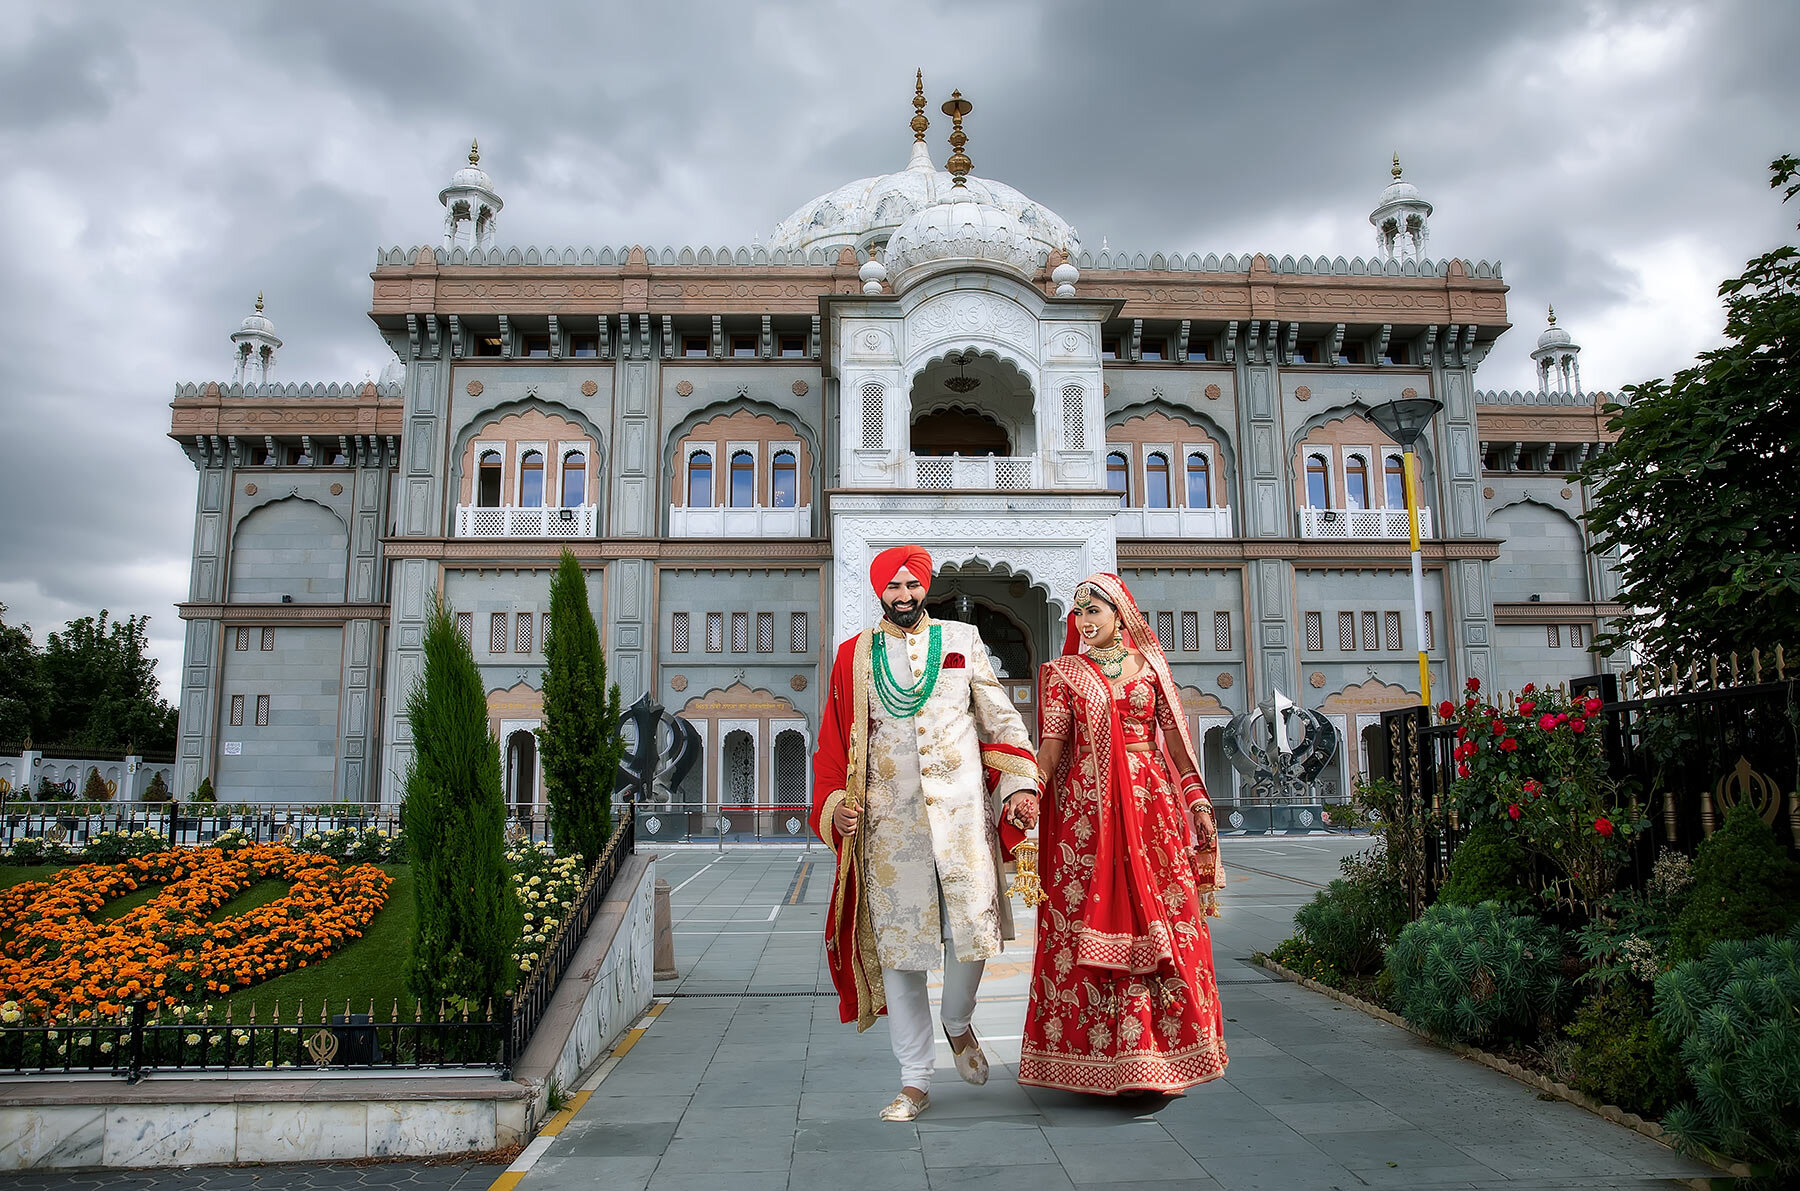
(653, 767)
(1281, 747)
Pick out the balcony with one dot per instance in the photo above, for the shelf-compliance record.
(1361, 523)
(1173, 523)
(980, 472)
(755, 522)
(509, 521)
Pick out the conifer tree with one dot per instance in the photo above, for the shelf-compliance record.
(455, 816)
(579, 741)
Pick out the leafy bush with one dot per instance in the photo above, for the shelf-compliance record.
(1622, 1056)
(1489, 865)
(205, 792)
(95, 788)
(35, 849)
(1297, 954)
(157, 790)
(1350, 922)
(360, 845)
(1744, 886)
(1737, 1012)
(1403, 827)
(547, 886)
(1632, 937)
(110, 847)
(48, 791)
(1472, 973)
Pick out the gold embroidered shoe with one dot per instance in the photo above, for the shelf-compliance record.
(971, 1064)
(905, 1108)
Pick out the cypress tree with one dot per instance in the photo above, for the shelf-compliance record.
(579, 741)
(455, 816)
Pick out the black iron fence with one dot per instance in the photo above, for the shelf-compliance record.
(1685, 750)
(73, 824)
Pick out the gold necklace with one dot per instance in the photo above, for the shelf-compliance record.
(1110, 658)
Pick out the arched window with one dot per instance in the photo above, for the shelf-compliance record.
(531, 480)
(574, 480)
(487, 480)
(1199, 480)
(1156, 481)
(1318, 488)
(785, 488)
(743, 480)
(1356, 482)
(740, 770)
(1118, 476)
(1395, 469)
(700, 488)
(790, 768)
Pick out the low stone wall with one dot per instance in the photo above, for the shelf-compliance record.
(194, 1121)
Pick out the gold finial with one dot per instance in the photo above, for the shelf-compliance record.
(959, 165)
(259, 301)
(1396, 170)
(1553, 316)
(474, 152)
(919, 122)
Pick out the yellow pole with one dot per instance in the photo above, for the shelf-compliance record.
(1418, 576)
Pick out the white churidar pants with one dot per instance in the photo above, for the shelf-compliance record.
(909, 1009)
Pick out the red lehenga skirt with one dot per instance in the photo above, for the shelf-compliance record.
(1150, 1022)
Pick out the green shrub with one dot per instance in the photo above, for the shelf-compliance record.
(1630, 938)
(1297, 954)
(1622, 1056)
(1744, 886)
(35, 849)
(1473, 973)
(157, 790)
(95, 788)
(1350, 922)
(205, 792)
(1737, 1012)
(1489, 865)
(579, 741)
(110, 847)
(48, 791)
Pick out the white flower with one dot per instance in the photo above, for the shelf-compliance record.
(193, 1039)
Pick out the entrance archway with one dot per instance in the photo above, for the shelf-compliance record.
(521, 773)
(1013, 618)
(972, 393)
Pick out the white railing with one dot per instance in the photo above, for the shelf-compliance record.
(1360, 523)
(509, 521)
(755, 522)
(974, 471)
(1173, 523)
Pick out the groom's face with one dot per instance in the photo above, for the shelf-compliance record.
(903, 599)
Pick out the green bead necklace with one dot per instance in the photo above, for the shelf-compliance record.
(903, 700)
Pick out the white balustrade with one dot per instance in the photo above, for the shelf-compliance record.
(978, 472)
(510, 521)
(1361, 523)
(1173, 523)
(757, 522)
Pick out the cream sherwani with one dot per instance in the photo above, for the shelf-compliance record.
(929, 818)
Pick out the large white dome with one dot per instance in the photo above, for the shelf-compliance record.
(869, 210)
(961, 230)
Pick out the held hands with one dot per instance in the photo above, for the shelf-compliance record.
(845, 819)
(1022, 808)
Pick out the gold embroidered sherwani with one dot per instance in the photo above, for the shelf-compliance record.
(928, 818)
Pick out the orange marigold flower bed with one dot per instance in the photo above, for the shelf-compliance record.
(57, 961)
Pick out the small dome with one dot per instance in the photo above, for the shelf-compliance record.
(960, 230)
(1400, 191)
(1399, 195)
(469, 177)
(256, 322)
(1554, 336)
(394, 373)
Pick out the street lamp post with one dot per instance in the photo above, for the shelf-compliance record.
(1404, 421)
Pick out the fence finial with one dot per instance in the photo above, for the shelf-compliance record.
(1780, 663)
(1734, 668)
(1756, 665)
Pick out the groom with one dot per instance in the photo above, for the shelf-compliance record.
(920, 756)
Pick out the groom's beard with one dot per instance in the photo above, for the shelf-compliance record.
(904, 614)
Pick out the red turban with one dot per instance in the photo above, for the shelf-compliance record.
(887, 564)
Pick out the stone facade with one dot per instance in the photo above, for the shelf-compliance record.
(724, 437)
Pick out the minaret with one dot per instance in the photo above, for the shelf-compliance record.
(1557, 368)
(1401, 220)
(255, 345)
(470, 205)
(921, 152)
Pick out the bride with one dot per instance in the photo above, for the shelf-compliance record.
(1123, 996)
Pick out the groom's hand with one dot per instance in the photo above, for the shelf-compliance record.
(845, 818)
(1022, 809)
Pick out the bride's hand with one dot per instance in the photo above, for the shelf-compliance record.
(1022, 809)
(1204, 831)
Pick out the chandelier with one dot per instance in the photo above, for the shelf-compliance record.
(961, 383)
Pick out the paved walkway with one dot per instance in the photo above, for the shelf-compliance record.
(748, 1081)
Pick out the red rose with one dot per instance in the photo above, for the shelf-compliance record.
(1527, 707)
(955, 661)
(1469, 702)
(1562, 717)
(1529, 687)
(1509, 745)
(1463, 770)
(1547, 722)
(1447, 709)
(1578, 725)
(1592, 707)
(1462, 733)
(1513, 810)
(1474, 684)
(1497, 728)
(1603, 825)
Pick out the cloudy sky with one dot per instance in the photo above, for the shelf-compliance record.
(166, 161)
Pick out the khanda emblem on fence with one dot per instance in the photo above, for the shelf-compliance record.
(1744, 784)
(1280, 746)
(660, 750)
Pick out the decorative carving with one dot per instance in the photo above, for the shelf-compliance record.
(589, 388)
(322, 1045)
(1225, 679)
(1106, 390)
(800, 388)
(1567, 493)
(1316, 680)
(1487, 494)
(798, 682)
(965, 313)
(678, 683)
(1744, 784)
(473, 388)
(685, 388)
(1212, 392)
(1303, 393)
(1409, 392)
(249, 489)
(337, 489)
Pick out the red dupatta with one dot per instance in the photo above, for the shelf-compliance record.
(1124, 921)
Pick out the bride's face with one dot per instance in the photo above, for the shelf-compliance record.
(1096, 621)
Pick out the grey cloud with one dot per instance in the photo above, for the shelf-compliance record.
(65, 69)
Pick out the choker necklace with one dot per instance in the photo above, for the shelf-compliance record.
(1110, 659)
